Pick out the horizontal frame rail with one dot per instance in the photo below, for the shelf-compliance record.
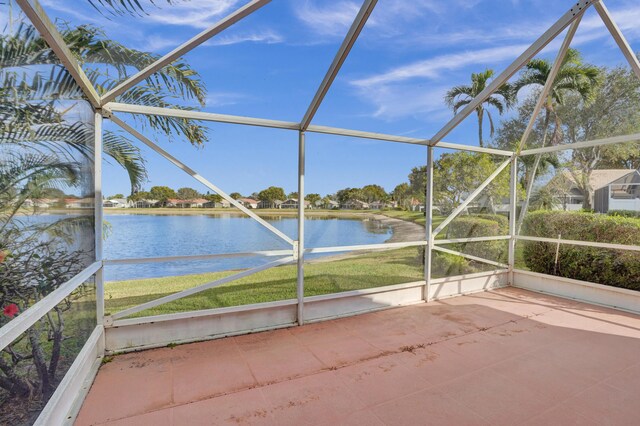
(198, 289)
(289, 125)
(472, 239)
(140, 260)
(635, 137)
(471, 257)
(471, 197)
(580, 243)
(200, 179)
(337, 249)
(26, 319)
(201, 116)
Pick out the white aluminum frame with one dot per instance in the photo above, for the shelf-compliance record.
(98, 213)
(428, 225)
(635, 137)
(580, 243)
(289, 125)
(470, 257)
(348, 42)
(195, 290)
(12, 330)
(140, 260)
(105, 104)
(299, 247)
(566, 43)
(181, 50)
(471, 197)
(199, 178)
(571, 15)
(52, 36)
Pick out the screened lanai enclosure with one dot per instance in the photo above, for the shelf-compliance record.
(513, 263)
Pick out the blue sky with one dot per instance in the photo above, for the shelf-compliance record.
(270, 64)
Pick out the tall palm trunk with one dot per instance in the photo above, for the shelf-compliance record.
(534, 169)
(480, 112)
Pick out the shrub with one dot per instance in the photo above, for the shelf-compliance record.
(618, 268)
(448, 265)
(445, 264)
(480, 226)
(501, 219)
(624, 213)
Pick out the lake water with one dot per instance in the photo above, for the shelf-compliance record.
(135, 236)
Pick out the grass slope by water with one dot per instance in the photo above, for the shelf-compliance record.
(374, 269)
(368, 270)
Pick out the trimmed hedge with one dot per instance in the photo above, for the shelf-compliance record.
(477, 225)
(624, 213)
(480, 226)
(617, 268)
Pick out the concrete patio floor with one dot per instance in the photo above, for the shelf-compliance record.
(502, 357)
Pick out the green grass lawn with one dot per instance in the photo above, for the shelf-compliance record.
(369, 270)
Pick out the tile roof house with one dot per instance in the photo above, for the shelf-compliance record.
(249, 203)
(144, 204)
(268, 204)
(355, 205)
(186, 204)
(292, 203)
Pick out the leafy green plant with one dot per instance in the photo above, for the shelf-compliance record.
(618, 268)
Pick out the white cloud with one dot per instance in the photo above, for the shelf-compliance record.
(333, 20)
(393, 101)
(432, 68)
(155, 43)
(264, 36)
(217, 99)
(194, 13)
(399, 92)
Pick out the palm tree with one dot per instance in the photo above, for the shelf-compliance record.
(459, 96)
(574, 77)
(40, 107)
(46, 141)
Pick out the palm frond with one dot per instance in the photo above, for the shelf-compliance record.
(122, 7)
(127, 155)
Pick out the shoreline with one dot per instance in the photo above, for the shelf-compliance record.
(401, 230)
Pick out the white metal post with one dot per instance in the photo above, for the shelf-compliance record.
(300, 248)
(513, 203)
(98, 213)
(428, 225)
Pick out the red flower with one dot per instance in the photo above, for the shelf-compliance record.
(10, 310)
